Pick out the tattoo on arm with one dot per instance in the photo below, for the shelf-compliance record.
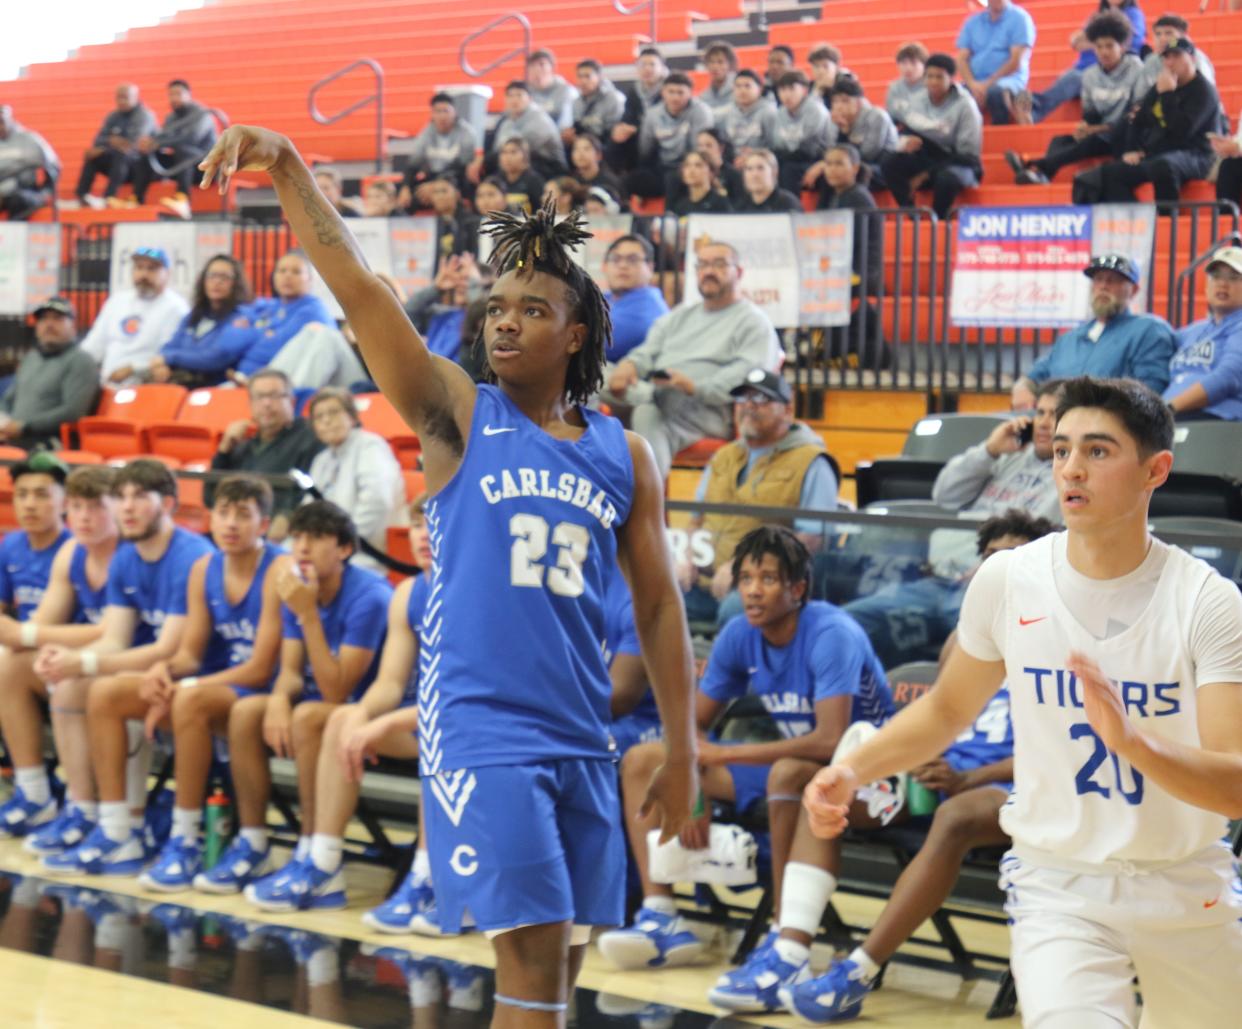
(327, 231)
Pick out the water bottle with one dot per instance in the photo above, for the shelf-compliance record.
(219, 823)
(919, 799)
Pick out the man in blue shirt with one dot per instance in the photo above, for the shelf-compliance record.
(1114, 344)
(994, 54)
(814, 670)
(632, 300)
(1206, 371)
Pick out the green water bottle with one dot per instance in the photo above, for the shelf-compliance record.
(219, 822)
(919, 799)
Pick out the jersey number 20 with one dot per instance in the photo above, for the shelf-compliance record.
(1084, 781)
(530, 545)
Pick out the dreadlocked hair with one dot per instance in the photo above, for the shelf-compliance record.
(526, 244)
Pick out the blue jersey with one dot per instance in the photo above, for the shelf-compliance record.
(989, 740)
(356, 617)
(524, 541)
(621, 637)
(414, 614)
(154, 589)
(24, 571)
(233, 626)
(829, 656)
(91, 601)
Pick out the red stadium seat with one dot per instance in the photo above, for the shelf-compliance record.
(121, 460)
(72, 457)
(697, 455)
(205, 414)
(119, 427)
(192, 512)
(415, 483)
(377, 415)
(12, 453)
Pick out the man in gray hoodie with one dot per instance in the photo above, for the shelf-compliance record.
(188, 133)
(549, 90)
(749, 121)
(24, 155)
(720, 59)
(801, 130)
(445, 147)
(599, 104)
(115, 147)
(668, 133)
(524, 118)
(856, 120)
(56, 382)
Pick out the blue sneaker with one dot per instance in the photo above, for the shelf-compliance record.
(64, 832)
(299, 886)
(412, 909)
(173, 917)
(238, 865)
(655, 940)
(466, 985)
(99, 855)
(174, 867)
(835, 996)
(753, 986)
(18, 816)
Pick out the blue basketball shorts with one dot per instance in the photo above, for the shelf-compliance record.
(750, 785)
(630, 730)
(526, 845)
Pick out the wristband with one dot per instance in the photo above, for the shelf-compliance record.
(30, 634)
(188, 683)
(90, 662)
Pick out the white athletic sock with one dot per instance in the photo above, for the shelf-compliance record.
(863, 960)
(664, 905)
(90, 808)
(137, 765)
(422, 865)
(302, 850)
(114, 820)
(325, 852)
(805, 890)
(792, 951)
(34, 784)
(324, 967)
(186, 822)
(256, 837)
(182, 949)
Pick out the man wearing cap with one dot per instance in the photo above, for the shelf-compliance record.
(56, 382)
(1166, 140)
(1206, 371)
(1115, 343)
(775, 462)
(135, 323)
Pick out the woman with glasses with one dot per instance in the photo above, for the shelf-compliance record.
(194, 357)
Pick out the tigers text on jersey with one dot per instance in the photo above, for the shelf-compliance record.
(1073, 799)
(233, 626)
(523, 538)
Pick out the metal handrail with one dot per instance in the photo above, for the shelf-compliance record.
(377, 97)
(524, 49)
(1187, 273)
(646, 5)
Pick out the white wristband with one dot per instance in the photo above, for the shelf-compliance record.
(90, 662)
(30, 634)
(188, 683)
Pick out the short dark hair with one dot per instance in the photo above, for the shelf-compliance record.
(179, 82)
(237, 489)
(846, 85)
(269, 372)
(781, 48)
(324, 518)
(442, 98)
(542, 54)
(647, 248)
(41, 462)
(650, 51)
(1109, 25)
(944, 62)
(847, 148)
(517, 141)
(1014, 522)
(824, 52)
(1172, 21)
(592, 63)
(912, 52)
(596, 143)
(783, 544)
(719, 46)
(747, 73)
(148, 475)
(90, 482)
(1042, 389)
(519, 85)
(677, 78)
(1146, 419)
(793, 78)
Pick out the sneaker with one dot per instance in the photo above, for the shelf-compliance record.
(655, 940)
(1016, 162)
(835, 996)
(412, 909)
(174, 867)
(63, 832)
(466, 985)
(173, 917)
(94, 203)
(99, 855)
(18, 815)
(121, 203)
(299, 886)
(752, 987)
(1032, 177)
(237, 866)
(177, 205)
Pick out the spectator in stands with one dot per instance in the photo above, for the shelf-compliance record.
(333, 188)
(667, 135)
(1113, 344)
(457, 229)
(598, 106)
(1206, 372)
(174, 151)
(911, 63)
(439, 310)
(445, 147)
(567, 192)
(587, 156)
(135, 323)
(525, 120)
(750, 121)
(276, 320)
(635, 304)
(940, 142)
(550, 91)
(1110, 87)
(825, 62)
(56, 381)
(856, 121)
(799, 132)
(679, 381)
(1228, 150)
(115, 148)
(994, 55)
(763, 195)
(775, 462)
(701, 191)
(491, 195)
(720, 59)
(622, 149)
(600, 202)
(356, 469)
(379, 199)
(717, 151)
(194, 356)
(523, 185)
(271, 441)
(780, 64)
(1167, 30)
(1165, 142)
(29, 168)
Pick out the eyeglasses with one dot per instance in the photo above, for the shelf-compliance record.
(220, 276)
(626, 259)
(756, 400)
(269, 396)
(719, 264)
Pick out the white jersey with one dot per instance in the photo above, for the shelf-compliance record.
(1074, 800)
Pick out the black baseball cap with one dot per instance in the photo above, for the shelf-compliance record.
(1182, 44)
(1118, 263)
(759, 380)
(58, 305)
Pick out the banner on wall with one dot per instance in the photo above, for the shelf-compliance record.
(404, 248)
(188, 244)
(1022, 266)
(825, 246)
(770, 272)
(29, 265)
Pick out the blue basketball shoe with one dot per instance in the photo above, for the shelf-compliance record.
(19, 815)
(411, 909)
(655, 940)
(175, 867)
(753, 986)
(239, 865)
(299, 886)
(835, 996)
(64, 832)
(99, 855)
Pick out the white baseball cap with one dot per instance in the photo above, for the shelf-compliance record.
(1230, 256)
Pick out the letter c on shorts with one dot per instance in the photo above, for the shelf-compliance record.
(465, 860)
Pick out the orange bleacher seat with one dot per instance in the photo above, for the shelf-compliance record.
(398, 544)
(123, 459)
(12, 454)
(377, 415)
(79, 457)
(119, 426)
(202, 419)
(415, 484)
(192, 512)
(697, 455)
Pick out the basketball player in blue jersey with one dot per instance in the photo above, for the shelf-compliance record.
(68, 613)
(142, 623)
(814, 670)
(534, 499)
(1123, 657)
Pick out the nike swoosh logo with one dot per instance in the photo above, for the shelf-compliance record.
(1030, 621)
(1211, 903)
(489, 431)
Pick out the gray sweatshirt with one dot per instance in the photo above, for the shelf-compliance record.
(539, 131)
(557, 100)
(897, 100)
(669, 137)
(718, 101)
(977, 483)
(873, 132)
(23, 152)
(749, 127)
(133, 124)
(435, 152)
(190, 128)
(600, 111)
(1108, 95)
(802, 135)
(716, 349)
(51, 387)
(954, 124)
(362, 477)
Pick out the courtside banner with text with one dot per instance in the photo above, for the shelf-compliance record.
(29, 265)
(1022, 266)
(189, 246)
(404, 248)
(825, 244)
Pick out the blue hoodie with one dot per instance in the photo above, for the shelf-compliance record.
(1209, 352)
(1132, 346)
(273, 322)
(208, 345)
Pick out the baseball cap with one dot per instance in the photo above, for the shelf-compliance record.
(1181, 44)
(41, 462)
(59, 305)
(151, 254)
(1229, 256)
(1118, 263)
(768, 383)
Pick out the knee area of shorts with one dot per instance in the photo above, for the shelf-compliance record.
(789, 775)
